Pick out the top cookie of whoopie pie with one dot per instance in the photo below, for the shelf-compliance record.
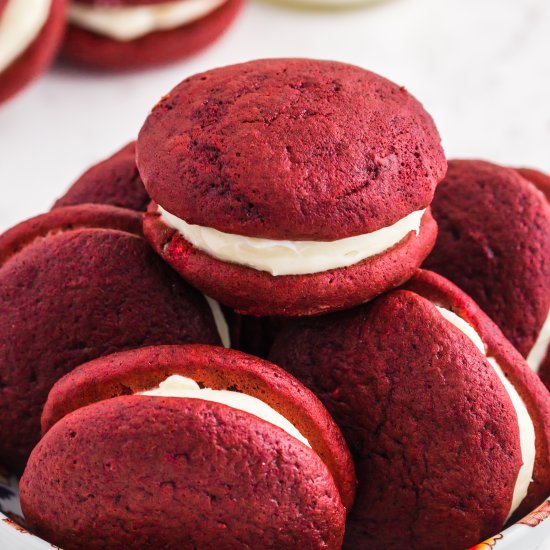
(290, 186)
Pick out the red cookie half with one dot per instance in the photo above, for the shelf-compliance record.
(298, 149)
(244, 480)
(494, 243)
(252, 156)
(115, 181)
(74, 287)
(433, 429)
(38, 55)
(102, 52)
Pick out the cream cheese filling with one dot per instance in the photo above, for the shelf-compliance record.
(540, 348)
(132, 22)
(181, 386)
(282, 257)
(526, 427)
(20, 23)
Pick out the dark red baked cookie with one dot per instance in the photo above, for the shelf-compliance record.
(178, 472)
(102, 52)
(433, 431)
(115, 181)
(290, 149)
(38, 55)
(494, 243)
(71, 290)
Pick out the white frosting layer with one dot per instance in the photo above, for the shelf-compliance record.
(132, 22)
(180, 386)
(293, 257)
(20, 23)
(526, 427)
(539, 350)
(221, 323)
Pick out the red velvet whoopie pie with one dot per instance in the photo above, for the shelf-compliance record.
(187, 447)
(75, 284)
(131, 34)
(448, 426)
(494, 243)
(290, 186)
(30, 35)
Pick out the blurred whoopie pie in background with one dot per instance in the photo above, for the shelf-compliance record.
(30, 35)
(130, 34)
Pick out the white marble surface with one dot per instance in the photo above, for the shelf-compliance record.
(481, 67)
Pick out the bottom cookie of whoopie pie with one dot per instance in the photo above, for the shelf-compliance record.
(114, 181)
(449, 428)
(254, 292)
(30, 35)
(116, 38)
(187, 447)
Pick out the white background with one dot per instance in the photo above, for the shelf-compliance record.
(481, 67)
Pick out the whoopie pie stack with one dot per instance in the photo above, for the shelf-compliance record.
(282, 207)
